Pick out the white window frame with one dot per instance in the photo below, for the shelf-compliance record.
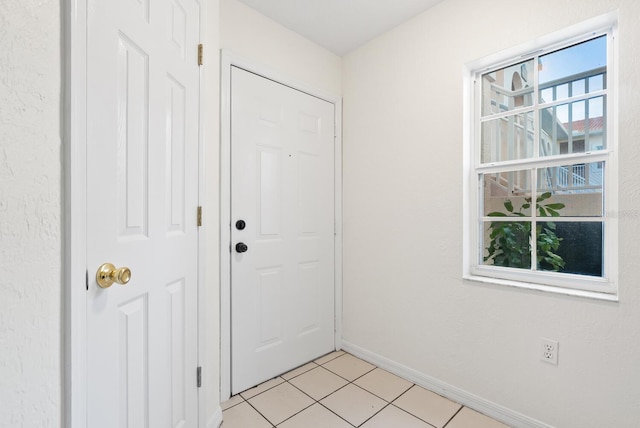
(604, 287)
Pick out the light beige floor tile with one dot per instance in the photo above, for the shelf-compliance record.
(297, 372)
(318, 383)
(252, 392)
(468, 418)
(236, 399)
(348, 366)
(354, 404)
(391, 416)
(383, 384)
(329, 357)
(315, 416)
(428, 406)
(280, 403)
(243, 416)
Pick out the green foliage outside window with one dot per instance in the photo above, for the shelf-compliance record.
(510, 240)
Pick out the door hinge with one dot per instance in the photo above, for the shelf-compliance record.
(86, 279)
(199, 377)
(200, 54)
(199, 216)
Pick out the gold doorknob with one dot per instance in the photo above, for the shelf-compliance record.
(108, 274)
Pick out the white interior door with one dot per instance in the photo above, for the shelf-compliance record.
(282, 228)
(142, 180)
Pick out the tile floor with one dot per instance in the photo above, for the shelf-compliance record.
(342, 391)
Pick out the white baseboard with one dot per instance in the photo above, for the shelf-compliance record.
(458, 395)
(216, 419)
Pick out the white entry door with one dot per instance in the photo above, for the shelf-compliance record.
(142, 179)
(282, 228)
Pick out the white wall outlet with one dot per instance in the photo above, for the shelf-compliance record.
(549, 351)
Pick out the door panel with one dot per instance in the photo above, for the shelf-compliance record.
(282, 186)
(142, 180)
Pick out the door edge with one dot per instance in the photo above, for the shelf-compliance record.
(75, 242)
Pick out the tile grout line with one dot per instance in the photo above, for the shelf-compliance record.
(372, 416)
(287, 381)
(260, 413)
(333, 392)
(314, 400)
(349, 382)
(452, 417)
(350, 424)
(409, 413)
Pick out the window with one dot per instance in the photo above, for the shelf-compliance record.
(542, 188)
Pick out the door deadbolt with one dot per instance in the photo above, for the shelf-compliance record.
(240, 224)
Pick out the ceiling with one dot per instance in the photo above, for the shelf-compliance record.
(340, 25)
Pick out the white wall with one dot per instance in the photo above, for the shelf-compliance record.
(30, 214)
(247, 33)
(404, 298)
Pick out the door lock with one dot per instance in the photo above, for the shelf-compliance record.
(241, 224)
(241, 247)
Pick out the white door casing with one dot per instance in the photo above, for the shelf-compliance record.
(142, 121)
(282, 189)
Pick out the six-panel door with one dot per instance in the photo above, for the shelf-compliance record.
(142, 180)
(282, 188)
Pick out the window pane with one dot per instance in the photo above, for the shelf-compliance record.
(571, 190)
(508, 88)
(575, 127)
(506, 243)
(507, 193)
(578, 247)
(569, 72)
(596, 82)
(507, 138)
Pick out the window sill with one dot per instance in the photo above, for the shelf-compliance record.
(609, 297)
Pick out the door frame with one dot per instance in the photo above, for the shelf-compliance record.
(75, 274)
(228, 60)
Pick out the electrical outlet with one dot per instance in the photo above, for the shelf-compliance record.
(549, 351)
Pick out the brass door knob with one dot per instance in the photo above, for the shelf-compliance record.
(108, 274)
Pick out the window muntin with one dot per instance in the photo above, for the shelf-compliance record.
(542, 131)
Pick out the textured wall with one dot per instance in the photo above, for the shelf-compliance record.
(404, 297)
(30, 209)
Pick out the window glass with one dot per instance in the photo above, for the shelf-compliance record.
(571, 247)
(507, 88)
(574, 190)
(507, 138)
(507, 243)
(507, 192)
(575, 127)
(569, 72)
